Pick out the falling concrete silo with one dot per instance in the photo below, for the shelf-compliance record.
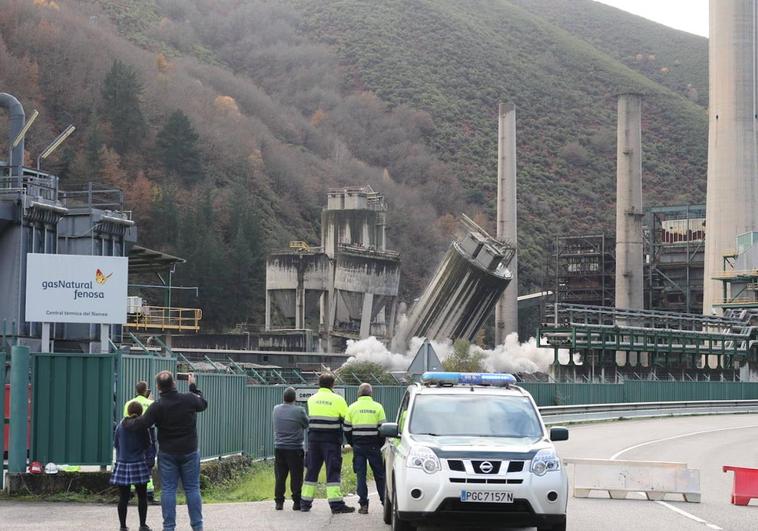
(732, 194)
(464, 290)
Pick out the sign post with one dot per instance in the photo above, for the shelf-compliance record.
(302, 394)
(45, 338)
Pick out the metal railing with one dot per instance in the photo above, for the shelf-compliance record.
(165, 318)
(93, 195)
(576, 314)
(33, 183)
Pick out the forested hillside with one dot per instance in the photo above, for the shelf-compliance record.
(456, 60)
(226, 121)
(675, 59)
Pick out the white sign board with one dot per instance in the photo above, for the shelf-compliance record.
(302, 395)
(63, 288)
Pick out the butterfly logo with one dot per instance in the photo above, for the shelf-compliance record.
(101, 277)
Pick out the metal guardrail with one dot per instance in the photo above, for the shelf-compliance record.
(601, 412)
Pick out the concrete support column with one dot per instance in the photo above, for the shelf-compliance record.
(629, 214)
(506, 310)
(368, 305)
(391, 311)
(300, 307)
(19, 410)
(268, 309)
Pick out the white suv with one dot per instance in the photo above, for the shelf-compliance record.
(471, 449)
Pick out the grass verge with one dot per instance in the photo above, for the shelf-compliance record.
(253, 484)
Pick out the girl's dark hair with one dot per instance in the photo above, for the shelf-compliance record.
(134, 408)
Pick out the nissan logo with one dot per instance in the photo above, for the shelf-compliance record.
(486, 467)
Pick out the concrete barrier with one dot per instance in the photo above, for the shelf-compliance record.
(745, 484)
(653, 478)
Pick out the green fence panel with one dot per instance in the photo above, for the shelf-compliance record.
(220, 428)
(259, 430)
(72, 408)
(639, 391)
(389, 397)
(135, 368)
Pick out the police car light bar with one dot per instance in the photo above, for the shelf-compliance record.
(467, 378)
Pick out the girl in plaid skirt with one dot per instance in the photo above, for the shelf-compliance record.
(131, 468)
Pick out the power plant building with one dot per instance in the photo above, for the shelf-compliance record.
(346, 289)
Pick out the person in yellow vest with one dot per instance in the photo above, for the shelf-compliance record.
(326, 413)
(364, 416)
(143, 397)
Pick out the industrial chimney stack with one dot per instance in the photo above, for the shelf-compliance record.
(629, 261)
(506, 311)
(732, 195)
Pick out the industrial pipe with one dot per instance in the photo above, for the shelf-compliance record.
(16, 118)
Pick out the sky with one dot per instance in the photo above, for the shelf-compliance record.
(686, 15)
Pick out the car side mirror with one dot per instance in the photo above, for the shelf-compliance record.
(389, 429)
(559, 434)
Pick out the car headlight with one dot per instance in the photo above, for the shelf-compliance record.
(424, 458)
(545, 461)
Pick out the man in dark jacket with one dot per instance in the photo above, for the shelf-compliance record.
(175, 415)
(290, 423)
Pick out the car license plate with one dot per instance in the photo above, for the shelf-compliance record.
(484, 496)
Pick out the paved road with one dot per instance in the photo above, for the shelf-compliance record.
(706, 443)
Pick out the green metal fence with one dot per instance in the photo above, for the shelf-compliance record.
(135, 368)
(685, 391)
(75, 398)
(260, 401)
(220, 428)
(259, 430)
(557, 394)
(72, 408)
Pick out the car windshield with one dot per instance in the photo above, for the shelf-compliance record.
(474, 416)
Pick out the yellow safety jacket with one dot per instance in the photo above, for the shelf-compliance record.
(142, 400)
(326, 411)
(362, 422)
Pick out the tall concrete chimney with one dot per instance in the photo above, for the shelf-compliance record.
(629, 265)
(506, 311)
(732, 195)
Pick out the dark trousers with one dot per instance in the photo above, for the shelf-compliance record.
(288, 462)
(123, 502)
(370, 455)
(320, 453)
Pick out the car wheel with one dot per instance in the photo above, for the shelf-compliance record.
(397, 523)
(387, 508)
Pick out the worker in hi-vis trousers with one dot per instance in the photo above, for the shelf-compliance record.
(143, 392)
(364, 416)
(326, 413)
